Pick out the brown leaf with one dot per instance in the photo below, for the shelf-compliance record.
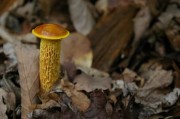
(155, 88)
(100, 108)
(172, 11)
(88, 83)
(141, 22)
(130, 76)
(109, 39)
(79, 99)
(76, 49)
(7, 102)
(81, 16)
(3, 107)
(28, 68)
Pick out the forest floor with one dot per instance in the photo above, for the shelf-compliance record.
(120, 61)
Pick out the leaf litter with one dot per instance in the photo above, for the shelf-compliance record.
(142, 69)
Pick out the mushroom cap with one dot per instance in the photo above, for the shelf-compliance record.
(50, 32)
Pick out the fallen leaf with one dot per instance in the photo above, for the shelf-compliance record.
(172, 11)
(102, 6)
(49, 104)
(64, 111)
(171, 98)
(7, 102)
(119, 3)
(97, 107)
(9, 51)
(81, 16)
(28, 68)
(93, 72)
(100, 108)
(79, 99)
(6, 6)
(172, 33)
(88, 83)
(129, 82)
(155, 87)
(76, 49)
(141, 22)
(3, 107)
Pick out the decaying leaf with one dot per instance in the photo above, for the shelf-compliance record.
(79, 99)
(102, 6)
(28, 68)
(155, 88)
(88, 83)
(9, 51)
(100, 108)
(171, 98)
(93, 72)
(7, 102)
(81, 16)
(76, 49)
(7, 5)
(3, 107)
(141, 23)
(171, 12)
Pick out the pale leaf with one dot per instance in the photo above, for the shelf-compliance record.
(81, 16)
(155, 88)
(76, 49)
(28, 68)
(88, 83)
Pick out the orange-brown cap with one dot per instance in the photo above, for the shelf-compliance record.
(50, 31)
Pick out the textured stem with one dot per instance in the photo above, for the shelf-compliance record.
(49, 63)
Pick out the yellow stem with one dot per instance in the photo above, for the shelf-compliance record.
(49, 63)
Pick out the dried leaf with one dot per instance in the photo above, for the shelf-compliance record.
(102, 6)
(79, 99)
(10, 53)
(141, 23)
(76, 49)
(155, 88)
(81, 16)
(7, 102)
(29, 77)
(119, 3)
(3, 107)
(7, 5)
(100, 108)
(88, 83)
(171, 98)
(93, 72)
(172, 11)
(49, 104)
(172, 33)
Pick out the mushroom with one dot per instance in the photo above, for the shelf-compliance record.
(50, 35)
